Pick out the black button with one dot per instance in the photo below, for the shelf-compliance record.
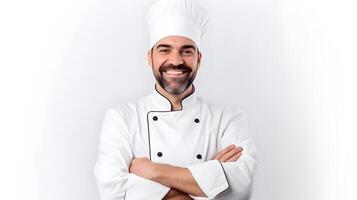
(159, 154)
(155, 118)
(197, 120)
(198, 156)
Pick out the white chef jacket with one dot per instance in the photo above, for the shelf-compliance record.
(190, 138)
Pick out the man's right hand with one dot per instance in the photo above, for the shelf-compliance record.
(229, 154)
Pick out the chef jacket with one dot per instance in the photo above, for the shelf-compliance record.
(189, 137)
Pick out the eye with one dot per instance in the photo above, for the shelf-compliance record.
(188, 52)
(164, 51)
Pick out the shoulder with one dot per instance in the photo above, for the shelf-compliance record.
(226, 112)
(131, 108)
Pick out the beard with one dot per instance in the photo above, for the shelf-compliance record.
(175, 85)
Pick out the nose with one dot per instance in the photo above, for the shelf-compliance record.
(176, 58)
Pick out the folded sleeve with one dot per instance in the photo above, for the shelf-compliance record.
(229, 180)
(210, 177)
(111, 170)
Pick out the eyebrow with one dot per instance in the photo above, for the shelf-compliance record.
(163, 45)
(188, 46)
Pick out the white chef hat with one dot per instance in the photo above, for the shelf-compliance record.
(176, 18)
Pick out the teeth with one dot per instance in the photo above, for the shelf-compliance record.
(174, 72)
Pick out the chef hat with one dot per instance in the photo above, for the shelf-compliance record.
(176, 18)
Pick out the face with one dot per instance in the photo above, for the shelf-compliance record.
(174, 61)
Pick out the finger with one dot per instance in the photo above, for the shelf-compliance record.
(228, 155)
(235, 157)
(225, 150)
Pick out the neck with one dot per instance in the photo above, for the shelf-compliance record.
(175, 99)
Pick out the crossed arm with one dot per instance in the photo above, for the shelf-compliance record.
(179, 179)
(119, 176)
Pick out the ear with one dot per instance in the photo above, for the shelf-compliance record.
(149, 58)
(199, 59)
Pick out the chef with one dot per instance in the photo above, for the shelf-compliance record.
(173, 144)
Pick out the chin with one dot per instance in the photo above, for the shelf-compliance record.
(176, 90)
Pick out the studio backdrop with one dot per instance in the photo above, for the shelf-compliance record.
(286, 64)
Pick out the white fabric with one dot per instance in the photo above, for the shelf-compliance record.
(139, 188)
(146, 127)
(211, 178)
(176, 18)
(111, 170)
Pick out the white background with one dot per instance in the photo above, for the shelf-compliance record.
(290, 65)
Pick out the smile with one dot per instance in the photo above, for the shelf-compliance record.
(175, 72)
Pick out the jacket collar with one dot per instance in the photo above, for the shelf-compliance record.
(163, 104)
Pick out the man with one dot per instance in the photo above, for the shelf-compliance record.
(173, 144)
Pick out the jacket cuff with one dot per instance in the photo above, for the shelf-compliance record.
(200, 198)
(211, 178)
(139, 188)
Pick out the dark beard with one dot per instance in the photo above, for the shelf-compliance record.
(183, 82)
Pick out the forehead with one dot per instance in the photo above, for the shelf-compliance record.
(175, 41)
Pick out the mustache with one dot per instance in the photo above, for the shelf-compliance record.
(182, 67)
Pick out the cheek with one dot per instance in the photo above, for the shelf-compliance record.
(193, 63)
(157, 62)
